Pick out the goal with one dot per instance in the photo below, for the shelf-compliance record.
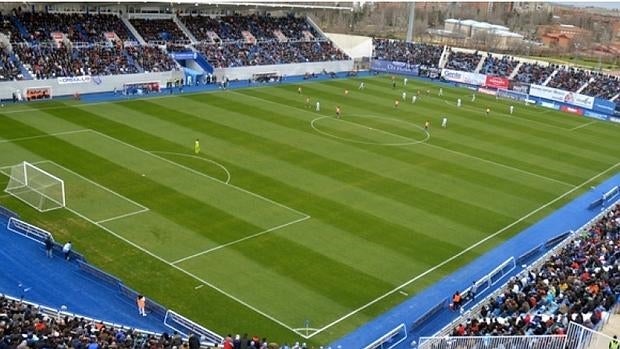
(36, 187)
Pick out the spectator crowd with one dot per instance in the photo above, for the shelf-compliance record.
(463, 61)
(241, 54)
(159, 30)
(83, 48)
(23, 326)
(499, 66)
(534, 73)
(262, 27)
(412, 53)
(569, 79)
(578, 284)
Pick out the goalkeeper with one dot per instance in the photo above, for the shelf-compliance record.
(197, 147)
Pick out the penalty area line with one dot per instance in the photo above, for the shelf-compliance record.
(240, 240)
(581, 126)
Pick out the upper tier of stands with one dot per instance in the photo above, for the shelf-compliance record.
(412, 53)
(262, 28)
(79, 27)
(239, 54)
(578, 284)
(159, 30)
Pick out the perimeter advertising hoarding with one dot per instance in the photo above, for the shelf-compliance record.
(517, 96)
(562, 96)
(519, 86)
(497, 82)
(464, 77)
(395, 67)
(604, 106)
(573, 110)
(593, 114)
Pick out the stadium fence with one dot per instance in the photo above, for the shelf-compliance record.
(475, 310)
(170, 318)
(391, 339)
(577, 337)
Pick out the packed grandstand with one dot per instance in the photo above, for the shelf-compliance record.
(102, 44)
(578, 284)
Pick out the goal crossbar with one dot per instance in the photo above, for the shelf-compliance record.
(21, 177)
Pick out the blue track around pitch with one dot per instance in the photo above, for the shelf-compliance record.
(29, 273)
(570, 217)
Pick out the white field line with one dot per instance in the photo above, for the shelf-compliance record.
(507, 115)
(198, 173)
(240, 240)
(227, 181)
(10, 166)
(500, 164)
(398, 288)
(193, 276)
(142, 207)
(43, 136)
(580, 126)
(123, 216)
(475, 157)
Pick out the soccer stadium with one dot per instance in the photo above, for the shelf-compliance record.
(305, 175)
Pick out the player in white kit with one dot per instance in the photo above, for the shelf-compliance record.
(458, 102)
(512, 109)
(444, 122)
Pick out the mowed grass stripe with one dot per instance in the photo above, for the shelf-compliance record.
(253, 160)
(168, 202)
(552, 123)
(485, 149)
(489, 128)
(421, 153)
(354, 155)
(338, 170)
(308, 281)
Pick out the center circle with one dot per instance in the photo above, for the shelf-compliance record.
(406, 140)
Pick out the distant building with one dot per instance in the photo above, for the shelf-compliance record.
(562, 35)
(472, 30)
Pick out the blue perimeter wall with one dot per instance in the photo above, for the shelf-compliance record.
(570, 217)
(55, 282)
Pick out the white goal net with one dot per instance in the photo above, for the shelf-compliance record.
(36, 187)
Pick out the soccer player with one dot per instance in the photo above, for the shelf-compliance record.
(440, 92)
(393, 83)
(405, 82)
(444, 122)
(346, 92)
(427, 124)
(396, 103)
(488, 110)
(318, 106)
(299, 90)
(404, 96)
(428, 91)
(338, 112)
(414, 98)
(512, 109)
(307, 102)
(197, 147)
(362, 86)
(458, 102)
(473, 97)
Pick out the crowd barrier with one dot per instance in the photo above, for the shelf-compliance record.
(181, 324)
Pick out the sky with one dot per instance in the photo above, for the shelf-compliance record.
(608, 5)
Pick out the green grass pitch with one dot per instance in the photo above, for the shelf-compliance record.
(290, 215)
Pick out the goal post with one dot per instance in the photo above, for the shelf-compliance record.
(36, 187)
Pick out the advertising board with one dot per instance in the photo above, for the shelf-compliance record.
(497, 82)
(395, 67)
(558, 95)
(464, 77)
